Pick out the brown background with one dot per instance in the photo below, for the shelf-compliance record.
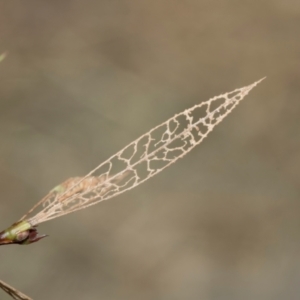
(84, 78)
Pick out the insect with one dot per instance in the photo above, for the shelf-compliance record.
(135, 163)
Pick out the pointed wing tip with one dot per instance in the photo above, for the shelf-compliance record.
(248, 88)
(258, 81)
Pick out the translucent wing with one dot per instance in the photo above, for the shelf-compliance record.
(14, 293)
(140, 160)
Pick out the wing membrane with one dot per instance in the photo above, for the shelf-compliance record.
(140, 160)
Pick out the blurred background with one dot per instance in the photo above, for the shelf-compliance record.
(84, 78)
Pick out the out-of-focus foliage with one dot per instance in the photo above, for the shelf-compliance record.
(2, 56)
